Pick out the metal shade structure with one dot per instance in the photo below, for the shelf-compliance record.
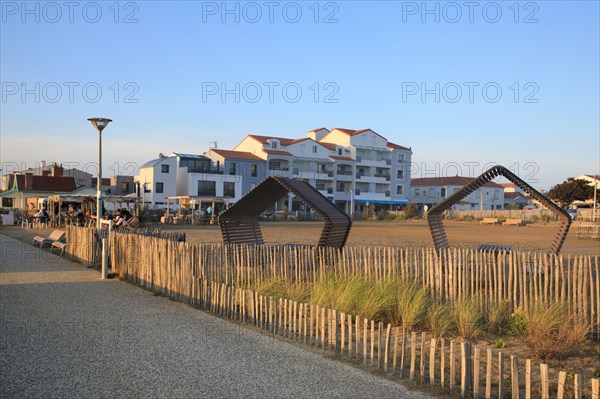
(239, 224)
(436, 225)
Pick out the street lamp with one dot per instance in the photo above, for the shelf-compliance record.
(99, 124)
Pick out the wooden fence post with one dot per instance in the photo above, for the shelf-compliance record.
(595, 388)
(545, 381)
(476, 371)
(466, 368)
(514, 376)
(452, 381)
(577, 386)
(432, 350)
(562, 378)
(488, 375)
(528, 379)
(500, 374)
(413, 355)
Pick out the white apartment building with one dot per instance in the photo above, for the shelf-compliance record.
(346, 166)
(431, 190)
(184, 174)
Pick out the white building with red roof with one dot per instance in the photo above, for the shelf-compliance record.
(343, 164)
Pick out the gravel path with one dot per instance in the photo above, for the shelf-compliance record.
(66, 333)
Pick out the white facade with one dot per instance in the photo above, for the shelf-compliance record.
(344, 165)
(182, 175)
(430, 191)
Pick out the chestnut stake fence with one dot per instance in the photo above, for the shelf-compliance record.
(206, 276)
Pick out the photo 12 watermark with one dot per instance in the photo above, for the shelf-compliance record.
(470, 92)
(253, 12)
(53, 12)
(453, 12)
(527, 171)
(69, 92)
(269, 92)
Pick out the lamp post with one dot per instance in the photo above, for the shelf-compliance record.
(99, 124)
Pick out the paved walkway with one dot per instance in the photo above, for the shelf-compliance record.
(66, 333)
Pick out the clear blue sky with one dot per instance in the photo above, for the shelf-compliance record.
(370, 62)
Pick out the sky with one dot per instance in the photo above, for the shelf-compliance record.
(466, 85)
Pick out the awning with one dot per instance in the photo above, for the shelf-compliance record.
(384, 202)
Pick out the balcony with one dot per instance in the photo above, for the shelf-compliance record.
(357, 191)
(330, 190)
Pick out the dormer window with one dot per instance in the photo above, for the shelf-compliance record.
(339, 151)
(274, 144)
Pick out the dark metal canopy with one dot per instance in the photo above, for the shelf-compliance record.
(239, 224)
(436, 225)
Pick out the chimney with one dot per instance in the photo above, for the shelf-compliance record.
(28, 181)
(57, 171)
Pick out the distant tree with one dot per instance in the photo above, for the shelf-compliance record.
(514, 206)
(571, 190)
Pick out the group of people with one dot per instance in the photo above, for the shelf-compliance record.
(120, 220)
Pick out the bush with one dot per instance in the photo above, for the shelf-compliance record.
(390, 216)
(518, 323)
(551, 333)
(468, 319)
(411, 211)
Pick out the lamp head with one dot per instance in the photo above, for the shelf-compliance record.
(99, 123)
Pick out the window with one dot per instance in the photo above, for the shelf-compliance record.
(399, 190)
(232, 168)
(8, 202)
(400, 158)
(253, 170)
(340, 187)
(229, 189)
(400, 175)
(159, 187)
(314, 149)
(431, 192)
(274, 144)
(164, 168)
(339, 151)
(443, 192)
(125, 187)
(206, 188)
(146, 189)
(417, 192)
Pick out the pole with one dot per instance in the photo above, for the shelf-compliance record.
(99, 189)
(595, 199)
(104, 260)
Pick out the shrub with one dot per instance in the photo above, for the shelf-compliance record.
(440, 319)
(551, 333)
(497, 317)
(411, 210)
(499, 344)
(468, 319)
(390, 216)
(518, 323)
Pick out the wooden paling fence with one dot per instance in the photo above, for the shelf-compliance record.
(82, 241)
(519, 278)
(416, 357)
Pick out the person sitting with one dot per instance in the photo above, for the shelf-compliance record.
(122, 217)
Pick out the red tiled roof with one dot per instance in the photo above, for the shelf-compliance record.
(265, 139)
(237, 154)
(317, 129)
(47, 183)
(396, 146)
(341, 158)
(277, 152)
(329, 146)
(351, 132)
(597, 177)
(450, 180)
(296, 141)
